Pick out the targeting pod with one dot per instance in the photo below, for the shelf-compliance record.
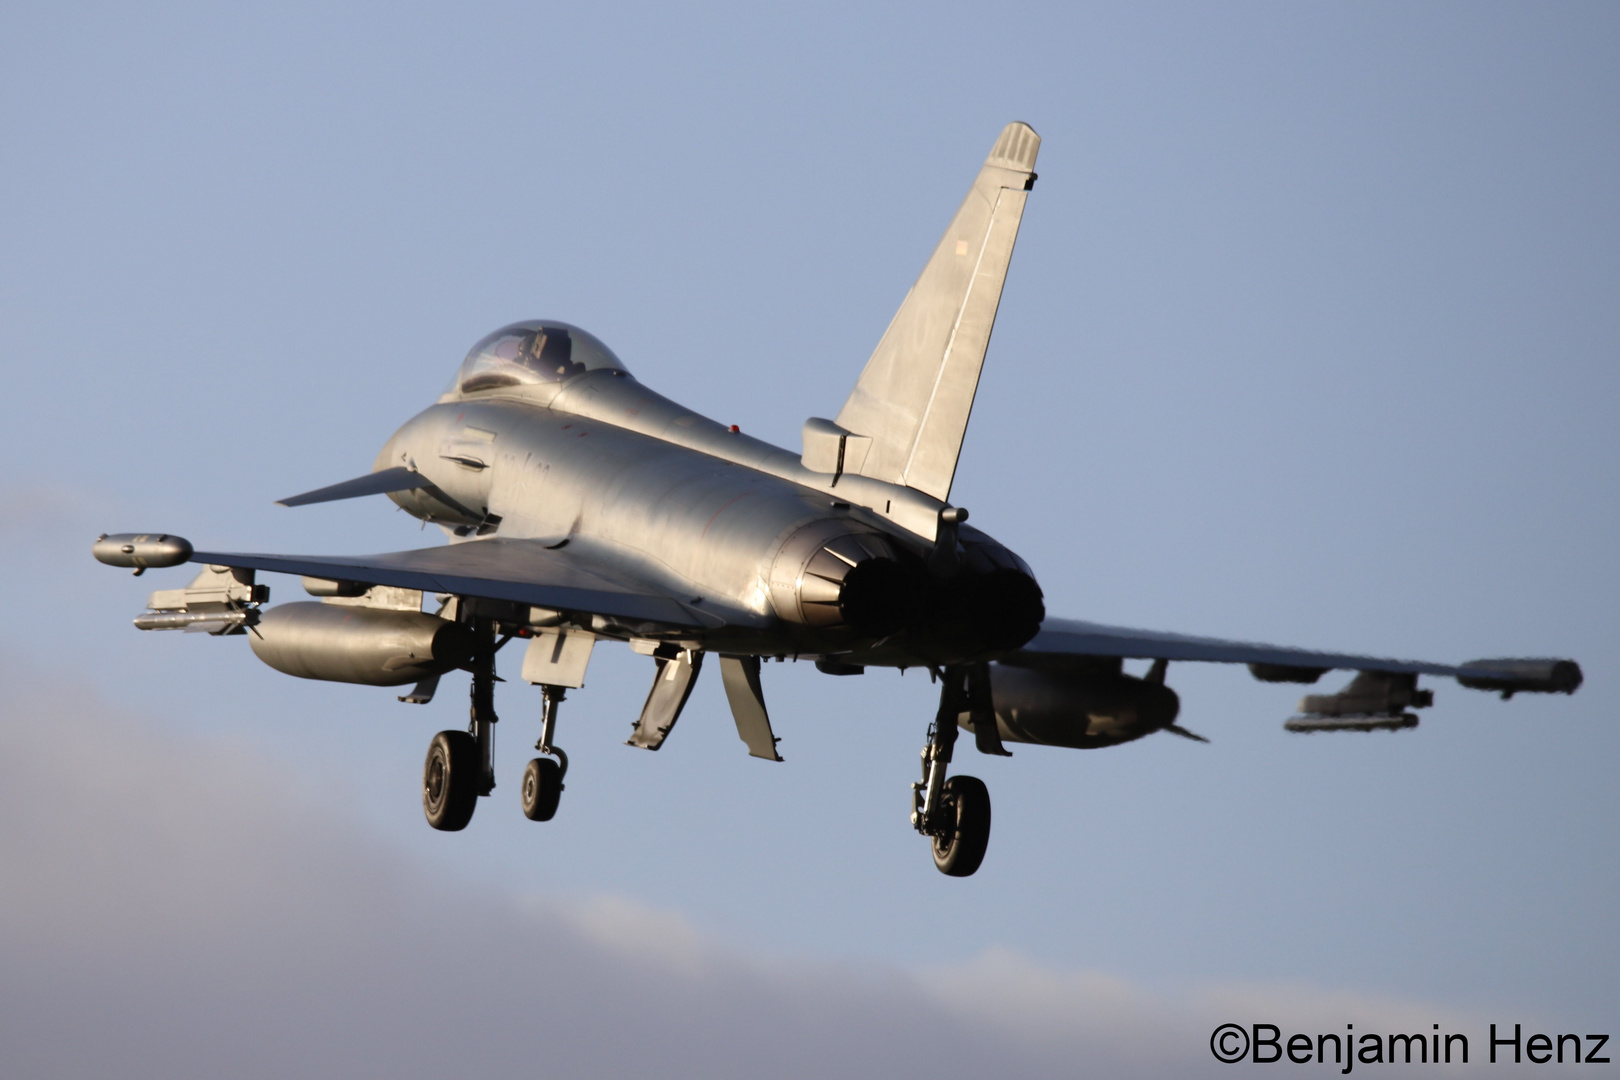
(141, 550)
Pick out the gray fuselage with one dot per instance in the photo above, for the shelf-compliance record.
(734, 528)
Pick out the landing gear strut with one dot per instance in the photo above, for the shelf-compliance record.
(460, 764)
(543, 779)
(954, 812)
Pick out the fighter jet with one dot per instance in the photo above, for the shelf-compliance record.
(583, 507)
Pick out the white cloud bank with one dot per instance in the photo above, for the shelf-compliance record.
(168, 909)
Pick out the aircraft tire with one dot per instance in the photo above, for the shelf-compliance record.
(450, 779)
(960, 850)
(542, 788)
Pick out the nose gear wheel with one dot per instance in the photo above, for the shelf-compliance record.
(543, 778)
(542, 788)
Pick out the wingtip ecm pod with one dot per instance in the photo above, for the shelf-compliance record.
(139, 551)
(1546, 676)
(916, 392)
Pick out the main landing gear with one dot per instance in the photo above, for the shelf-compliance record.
(460, 765)
(955, 813)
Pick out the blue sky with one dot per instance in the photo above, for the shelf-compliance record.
(1310, 338)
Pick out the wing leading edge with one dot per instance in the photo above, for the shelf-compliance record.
(512, 570)
(1060, 638)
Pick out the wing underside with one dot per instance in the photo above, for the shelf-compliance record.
(509, 570)
(1070, 638)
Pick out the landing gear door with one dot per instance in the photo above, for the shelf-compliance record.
(558, 657)
(741, 676)
(670, 689)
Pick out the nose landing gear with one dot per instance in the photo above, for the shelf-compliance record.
(954, 813)
(543, 779)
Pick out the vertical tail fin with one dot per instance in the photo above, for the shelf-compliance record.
(916, 392)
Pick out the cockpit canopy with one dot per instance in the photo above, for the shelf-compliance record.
(533, 352)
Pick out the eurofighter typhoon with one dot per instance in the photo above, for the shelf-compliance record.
(583, 507)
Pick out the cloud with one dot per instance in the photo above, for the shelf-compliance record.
(172, 908)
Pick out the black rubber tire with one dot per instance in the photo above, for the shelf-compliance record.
(450, 780)
(542, 787)
(967, 805)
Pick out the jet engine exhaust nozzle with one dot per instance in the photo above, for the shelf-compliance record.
(850, 581)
